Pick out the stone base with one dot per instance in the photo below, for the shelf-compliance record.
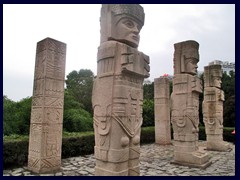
(218, 146)
(126, 168)
(51, 170)
(163, 143)
(104, 172)
(44, 165)
(199, 159)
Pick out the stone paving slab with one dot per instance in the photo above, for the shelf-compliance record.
(154, 161)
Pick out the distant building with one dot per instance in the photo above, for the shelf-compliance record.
(226, 66)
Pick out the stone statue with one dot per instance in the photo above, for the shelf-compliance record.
(213, 108)
(162, 111)
(45, 138)
(118, 91)
(185, 106)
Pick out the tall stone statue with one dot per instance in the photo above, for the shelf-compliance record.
(213, 108)
(45, 138)
(118, 91)
(185, 106)
(162, 111)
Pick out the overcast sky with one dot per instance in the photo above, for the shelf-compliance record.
(77, 25)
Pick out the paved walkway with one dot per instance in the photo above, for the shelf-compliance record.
(154, 161)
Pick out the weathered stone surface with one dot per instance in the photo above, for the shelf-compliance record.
(162, 111)
(118, 90)
(184, 106)
(45, 138)
(213, 108)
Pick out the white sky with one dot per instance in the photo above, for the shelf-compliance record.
(77, 25)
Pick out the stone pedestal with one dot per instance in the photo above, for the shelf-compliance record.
(45, 139)
(162, 111)
(118, 91)
(185, 106)
(213, 108)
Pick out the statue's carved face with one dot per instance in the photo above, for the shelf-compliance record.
(217, 81)
(127, 31)
(191, 65)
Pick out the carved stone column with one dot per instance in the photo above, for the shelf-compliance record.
(162, 111)
(213, 108)
(185, 106)
(45, 139)
(118, 91)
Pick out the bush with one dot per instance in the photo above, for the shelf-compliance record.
(147, 135)
(77, 146)
(15, 153)
(77, 120)
(15, 148)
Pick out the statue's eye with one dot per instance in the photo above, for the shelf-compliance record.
(129, 24)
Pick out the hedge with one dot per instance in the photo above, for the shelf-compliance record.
(15, 152)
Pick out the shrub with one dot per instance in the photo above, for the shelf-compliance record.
(15, 148)
(77, 120)
(148, 135)
(15, 153)
(78, 145)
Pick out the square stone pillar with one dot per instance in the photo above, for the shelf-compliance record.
(45, 138)
(162, 111)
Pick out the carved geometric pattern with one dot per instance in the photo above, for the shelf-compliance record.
(37, 101)
(37, 115)
(40, 65)
(53, 116)
(35, 139)
(54, 87)
(54, 102)
(55, 65)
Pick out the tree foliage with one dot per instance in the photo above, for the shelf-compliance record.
(148, 112)
(16, 116)
(79, 84)
(228, 86)
(148, 90)
(75, 118)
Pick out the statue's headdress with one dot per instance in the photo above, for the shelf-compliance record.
(210, 72)
(111, 13)
(182, 52)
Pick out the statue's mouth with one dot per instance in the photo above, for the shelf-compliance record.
(136, 38)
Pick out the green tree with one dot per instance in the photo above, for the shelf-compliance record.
(8, 108)
(79, 84)
(75, 118)
(229, 112)
(148, 112)
(16, 116)
(228, 86)
(148, 90)
(24, 115)
(201, 95)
